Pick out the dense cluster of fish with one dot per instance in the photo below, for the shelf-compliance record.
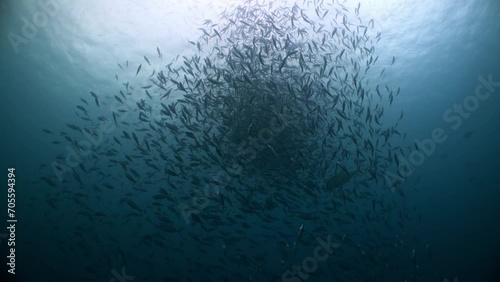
(228, 164)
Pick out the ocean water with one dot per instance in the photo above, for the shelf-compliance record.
(137, 210)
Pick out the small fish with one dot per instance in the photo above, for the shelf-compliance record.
(95, 98)
(146, 58)
(82, 108)
(114, 118)
(340, 177)
(299, 236)
(120, 66)
(159, 53)
(217, 33)
(130, 178)
(272, 150)
(135, 138)
(401, 116)
(132, 205)
(138, 69)
(171, 172)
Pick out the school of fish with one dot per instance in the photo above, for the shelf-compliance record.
(230, 163)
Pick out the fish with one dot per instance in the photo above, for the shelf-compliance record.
(340, 178)
(297, 241)
(133, 205)
(138, 70)
(171, 172)
(264, 118)
(96, 99)
(272, 150)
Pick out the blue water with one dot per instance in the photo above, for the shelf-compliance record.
(444, 51)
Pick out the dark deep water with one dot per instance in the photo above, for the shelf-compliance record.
(133, 207)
